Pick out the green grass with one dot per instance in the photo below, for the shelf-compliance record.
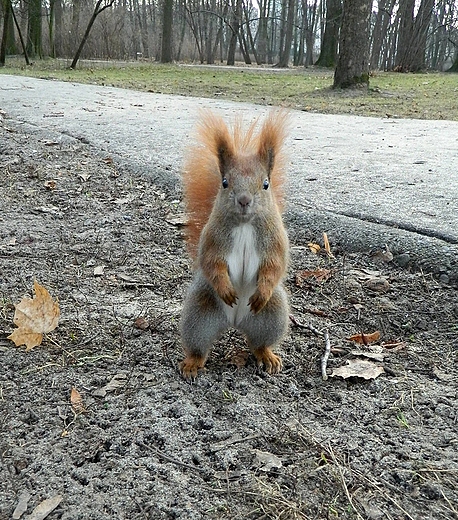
(419, 96)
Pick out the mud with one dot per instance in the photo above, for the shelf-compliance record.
(238, 443)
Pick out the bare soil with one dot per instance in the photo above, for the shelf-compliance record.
(237, 443)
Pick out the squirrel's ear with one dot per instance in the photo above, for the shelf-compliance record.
(225, 155)
(215, 136)
(270, 139)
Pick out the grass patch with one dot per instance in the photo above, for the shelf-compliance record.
(418, 96)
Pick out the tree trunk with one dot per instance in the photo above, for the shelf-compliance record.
(6, 19)
(58, 27)
(250, 35)
(52, 43)
(235, 27)
(383, 18)
(144, 29)
(353, 63)
(167, 20)
(34, 34)
(310, 33)
(413, 32)
(454, 67)
(244, 46)
(288, 37)
(262, 32)
(330, 40)
(97, 10)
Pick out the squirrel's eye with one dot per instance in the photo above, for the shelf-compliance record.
(225, 183)
(265, 184)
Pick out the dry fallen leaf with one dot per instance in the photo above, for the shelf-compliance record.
(314, 248)
(35, 317)
(266, 461)
(99, 270)
(358, 368)
(365, 339)
(383, 256)
(239, 358)
(376, 353)
(394, 346)
(141, 323)
(320, 275)
(177, 220)
(77, 401)
(21, 506)
(118, 381)
(45, 508)
(51, 184)
(380, 285)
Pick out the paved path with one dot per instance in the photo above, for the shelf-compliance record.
(366, 181)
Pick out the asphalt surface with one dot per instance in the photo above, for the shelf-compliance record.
(367, 182)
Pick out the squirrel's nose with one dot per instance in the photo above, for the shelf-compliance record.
(244, 200)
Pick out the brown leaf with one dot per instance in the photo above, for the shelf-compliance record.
(51, 184)
(77, 401)
(314, 248)
(365, 339)
(383, 256)
(35, 317)
(141, 323)
(394, 346)
(377, 285)
(358, 368)
(316, 312)
(239, 358)
(320, 275)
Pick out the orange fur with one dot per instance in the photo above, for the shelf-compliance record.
(201, 176)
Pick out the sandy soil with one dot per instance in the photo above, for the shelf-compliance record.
(236, 444)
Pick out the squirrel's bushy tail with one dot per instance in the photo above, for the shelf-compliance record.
(202, 177)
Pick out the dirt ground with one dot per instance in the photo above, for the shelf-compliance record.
(237, 443)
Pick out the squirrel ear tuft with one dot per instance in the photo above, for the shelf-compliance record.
(271, 138)
(215, 136)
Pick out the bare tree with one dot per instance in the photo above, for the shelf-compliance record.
(34, 29)
(234, 26)
(288, 18)
(330, 38)
(99, 8)
(410, 55)
(353, 62)
(380, 31)
(167, 20)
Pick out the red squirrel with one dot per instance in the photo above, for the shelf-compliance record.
(233, 191)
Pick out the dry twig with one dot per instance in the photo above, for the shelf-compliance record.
(325, 356)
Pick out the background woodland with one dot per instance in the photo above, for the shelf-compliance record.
(400, 35)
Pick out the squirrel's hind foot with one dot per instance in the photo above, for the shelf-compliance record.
(190, 366)
(271, 362)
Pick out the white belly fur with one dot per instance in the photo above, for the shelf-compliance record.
(243, 263)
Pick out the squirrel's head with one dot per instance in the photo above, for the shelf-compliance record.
(245, 184)
(247, 165)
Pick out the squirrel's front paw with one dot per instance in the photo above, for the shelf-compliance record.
(257, 302)
(190, 365)
(271, 362)
(229, 296)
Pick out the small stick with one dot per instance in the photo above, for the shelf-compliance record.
(304, 326)
(325, 356)
(167, 458)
